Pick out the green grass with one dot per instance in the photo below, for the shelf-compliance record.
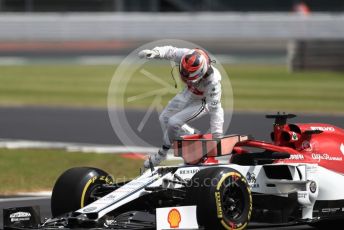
(36, 170)
(274, 88)
(256, 88)
(66, 85)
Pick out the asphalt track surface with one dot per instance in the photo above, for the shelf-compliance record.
(93, 126)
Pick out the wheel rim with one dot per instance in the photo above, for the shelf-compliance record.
(93, 193)
(232, 201)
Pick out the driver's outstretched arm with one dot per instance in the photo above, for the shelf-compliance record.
(164, 52)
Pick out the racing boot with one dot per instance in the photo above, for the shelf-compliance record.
(157, 158)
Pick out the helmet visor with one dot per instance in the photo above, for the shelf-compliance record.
(187, 76)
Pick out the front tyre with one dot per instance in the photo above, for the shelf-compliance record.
(74, 188)
(223, 198)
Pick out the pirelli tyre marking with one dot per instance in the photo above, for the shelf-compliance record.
(232, 177)
(91, 181)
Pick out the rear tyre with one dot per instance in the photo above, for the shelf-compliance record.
(73, 189)
(223, 198)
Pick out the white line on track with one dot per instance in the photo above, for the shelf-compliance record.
(78, 147)
(34, 194)
(84, 148)
(13, 61)
(72, 147)
(15, 199)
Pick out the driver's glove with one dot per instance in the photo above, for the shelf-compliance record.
(150, 54)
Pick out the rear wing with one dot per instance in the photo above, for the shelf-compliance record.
(193, 148)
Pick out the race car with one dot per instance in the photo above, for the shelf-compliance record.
(224, 183)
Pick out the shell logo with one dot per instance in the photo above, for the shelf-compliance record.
(174, 218)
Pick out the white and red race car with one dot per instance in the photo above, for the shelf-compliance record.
(298, 178)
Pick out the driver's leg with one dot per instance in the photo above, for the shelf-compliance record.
(177, 124)
(174, 106)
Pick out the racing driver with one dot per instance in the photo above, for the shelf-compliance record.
(201, 95)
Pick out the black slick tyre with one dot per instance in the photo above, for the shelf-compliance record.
(74, 187)
(223, 198)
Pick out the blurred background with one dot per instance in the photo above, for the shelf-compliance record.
(57, 59)
(299, 34)
(167, 5)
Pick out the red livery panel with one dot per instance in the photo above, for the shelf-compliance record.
(322, 144)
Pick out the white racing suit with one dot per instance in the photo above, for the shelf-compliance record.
(193, 102)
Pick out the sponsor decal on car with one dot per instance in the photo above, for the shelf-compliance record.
(20, 216)
(323, 128)
(174, 218)
(181, 217)
(252, 180)
(188, 171)
(342, 148)
(294, 136)
(327, 210)
(296, 157)
(325, 156)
